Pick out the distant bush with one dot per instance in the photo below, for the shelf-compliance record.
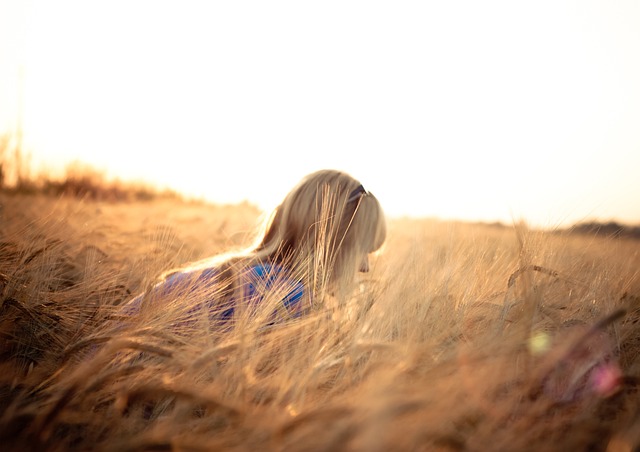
(83, 181)
(609, 229)
(79, 180)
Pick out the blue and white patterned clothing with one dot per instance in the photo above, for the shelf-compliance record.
(258, 281)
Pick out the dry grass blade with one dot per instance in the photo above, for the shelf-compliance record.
(535, 268)
(160, 390)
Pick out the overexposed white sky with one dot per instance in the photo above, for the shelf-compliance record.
(488, 110)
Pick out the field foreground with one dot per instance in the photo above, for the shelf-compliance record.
(462, 337)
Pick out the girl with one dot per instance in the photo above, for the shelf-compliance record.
(313, 245)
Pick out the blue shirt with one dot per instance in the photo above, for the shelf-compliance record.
(259, 280)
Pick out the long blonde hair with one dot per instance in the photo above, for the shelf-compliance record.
(328, 222)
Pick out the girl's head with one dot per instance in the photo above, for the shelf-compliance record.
(328, 221)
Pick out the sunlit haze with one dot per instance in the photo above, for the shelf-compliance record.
(489, 111)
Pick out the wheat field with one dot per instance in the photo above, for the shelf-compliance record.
(463, 337)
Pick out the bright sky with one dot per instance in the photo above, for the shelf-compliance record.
(476, 110)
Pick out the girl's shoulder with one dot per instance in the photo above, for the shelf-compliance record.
(185, 283)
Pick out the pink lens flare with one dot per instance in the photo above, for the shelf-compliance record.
(606, 379)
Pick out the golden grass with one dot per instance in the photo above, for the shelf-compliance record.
(462, 337)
